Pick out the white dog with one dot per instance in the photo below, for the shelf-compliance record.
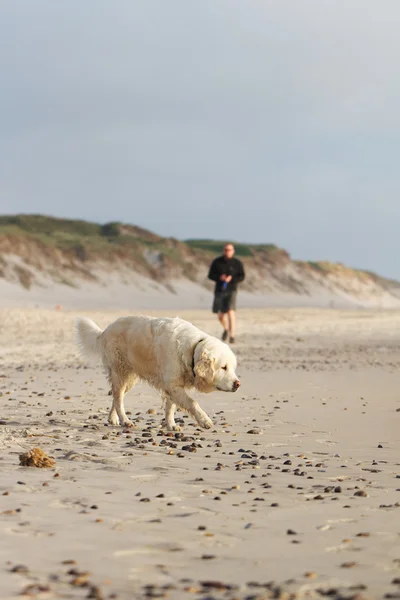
(171, 355)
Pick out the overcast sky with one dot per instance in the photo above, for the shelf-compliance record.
(255, 120)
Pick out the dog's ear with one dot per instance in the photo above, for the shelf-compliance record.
(204, 371)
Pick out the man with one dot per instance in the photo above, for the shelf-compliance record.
(227, 272)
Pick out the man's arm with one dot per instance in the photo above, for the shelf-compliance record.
(240, 274)
(213, 273)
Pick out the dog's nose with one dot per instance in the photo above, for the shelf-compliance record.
(236, 385)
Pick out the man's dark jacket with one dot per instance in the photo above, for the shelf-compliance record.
(226, 266)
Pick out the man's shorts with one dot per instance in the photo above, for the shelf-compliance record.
(224, 302)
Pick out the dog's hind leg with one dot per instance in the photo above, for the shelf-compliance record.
(120, 384)
(131, 381)
(183, 400)
(170, 407)
(117, 413)
(113, 415)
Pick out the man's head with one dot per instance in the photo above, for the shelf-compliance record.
(229, 250)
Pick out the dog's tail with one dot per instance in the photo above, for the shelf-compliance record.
(88, 337)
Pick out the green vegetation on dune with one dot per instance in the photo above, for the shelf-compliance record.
(69, 234)
(322, 267)
(41, 224)
(217, 246)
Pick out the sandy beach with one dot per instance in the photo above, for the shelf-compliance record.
(294, 493)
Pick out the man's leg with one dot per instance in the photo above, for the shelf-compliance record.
(224, 322)
(232, 323)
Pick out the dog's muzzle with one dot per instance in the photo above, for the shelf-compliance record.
(236, 385)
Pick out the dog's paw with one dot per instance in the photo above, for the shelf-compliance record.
(113, 419)
(173, 427)
(127, 423)
(206, 423)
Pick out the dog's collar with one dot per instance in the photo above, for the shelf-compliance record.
(194, 350)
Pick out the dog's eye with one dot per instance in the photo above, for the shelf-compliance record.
(225, 368)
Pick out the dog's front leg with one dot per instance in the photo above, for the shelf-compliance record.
(113, 416)
(181, 398)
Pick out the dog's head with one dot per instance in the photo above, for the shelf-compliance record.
(214, 367)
